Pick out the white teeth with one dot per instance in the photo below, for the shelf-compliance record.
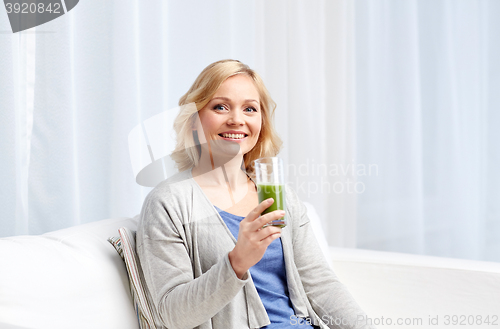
(233, 136)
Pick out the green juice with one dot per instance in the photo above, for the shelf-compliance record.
(277, 192)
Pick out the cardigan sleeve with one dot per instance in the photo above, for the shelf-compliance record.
(181, 300)
(329, 298)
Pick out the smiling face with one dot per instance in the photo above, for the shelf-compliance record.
(233, 114)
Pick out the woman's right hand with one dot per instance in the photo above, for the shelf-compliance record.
(253, 239)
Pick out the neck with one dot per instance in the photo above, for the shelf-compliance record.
(218, 169)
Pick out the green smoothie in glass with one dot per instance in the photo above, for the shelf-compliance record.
(277, 192)
(271, 184)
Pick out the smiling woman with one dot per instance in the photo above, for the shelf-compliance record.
(207, 258)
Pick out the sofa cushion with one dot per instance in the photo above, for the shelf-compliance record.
(71, 278)
(420, 291)
(125, 246)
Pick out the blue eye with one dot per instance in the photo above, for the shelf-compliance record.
(252, 109)
(219, 107)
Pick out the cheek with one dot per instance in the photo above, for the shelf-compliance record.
(208, 123)
(258, 125)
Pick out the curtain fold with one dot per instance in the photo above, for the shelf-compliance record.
(424, 116)
(387, 109)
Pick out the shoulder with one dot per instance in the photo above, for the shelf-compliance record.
(290, 193)
(177, 186)
(295, 207)
(291, 197)
(170, 196)
(165, 209)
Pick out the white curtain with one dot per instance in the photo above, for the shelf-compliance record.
(388, 111)
(427, 112)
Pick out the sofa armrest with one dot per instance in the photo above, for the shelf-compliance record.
(420, 288)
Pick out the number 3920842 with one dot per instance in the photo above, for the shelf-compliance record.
(31, 8)
(478, 320)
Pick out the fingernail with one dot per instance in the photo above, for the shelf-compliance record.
(269, 200)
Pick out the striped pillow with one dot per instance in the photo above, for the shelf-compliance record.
(125, 246)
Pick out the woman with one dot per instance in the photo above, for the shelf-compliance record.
(212, 268)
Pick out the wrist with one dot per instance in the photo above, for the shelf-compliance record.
(238, 270)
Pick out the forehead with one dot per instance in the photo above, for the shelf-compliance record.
(240, 85)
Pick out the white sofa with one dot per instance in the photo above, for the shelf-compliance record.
(74, 278)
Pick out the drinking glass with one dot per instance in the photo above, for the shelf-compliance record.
(270, 180)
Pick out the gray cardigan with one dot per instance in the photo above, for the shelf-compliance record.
(183, 246)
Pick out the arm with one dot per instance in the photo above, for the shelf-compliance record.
(329, 298)
(181, 300)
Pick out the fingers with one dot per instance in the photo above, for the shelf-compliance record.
(253, 238)
(268, 234)
(267, 218)
(255, 213)
(271, 237)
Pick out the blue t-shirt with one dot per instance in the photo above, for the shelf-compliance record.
(269, 277)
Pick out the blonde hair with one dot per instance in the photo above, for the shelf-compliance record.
(187, 150)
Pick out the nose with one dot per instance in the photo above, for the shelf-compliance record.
(235, 118)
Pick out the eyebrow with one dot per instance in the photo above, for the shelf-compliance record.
(228, 100)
